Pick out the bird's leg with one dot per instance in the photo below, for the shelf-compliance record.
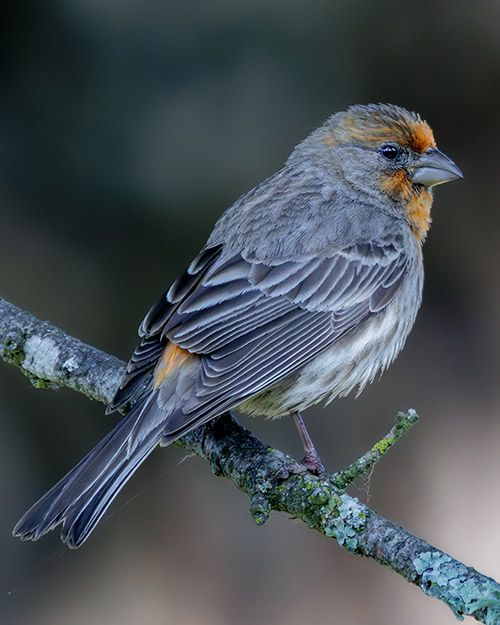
(311, 461)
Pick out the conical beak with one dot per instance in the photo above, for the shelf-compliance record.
(433, 167)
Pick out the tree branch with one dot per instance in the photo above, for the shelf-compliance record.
(404, 421)
(49, 358)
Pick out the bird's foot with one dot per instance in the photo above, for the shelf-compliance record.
(310, 462)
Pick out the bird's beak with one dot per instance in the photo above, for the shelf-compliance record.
(433, 167)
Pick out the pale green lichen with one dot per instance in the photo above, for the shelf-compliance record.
(383, 445)
(319, 496)
(350, 520)
(265, 486)
(446, 579)
(40, 382)
(363, 465)
(13, 351)
(260, 508)
(428, 565)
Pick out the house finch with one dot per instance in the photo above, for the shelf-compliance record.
(307, 288)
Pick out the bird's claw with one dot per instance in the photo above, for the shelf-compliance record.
(311, 463)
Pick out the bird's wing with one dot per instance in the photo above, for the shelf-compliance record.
(253, 321)
(138, 374)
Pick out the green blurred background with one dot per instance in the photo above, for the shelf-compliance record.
(126, 128)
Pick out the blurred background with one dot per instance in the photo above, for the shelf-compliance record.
(126, 128)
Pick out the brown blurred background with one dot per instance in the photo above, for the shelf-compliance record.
(126, 128)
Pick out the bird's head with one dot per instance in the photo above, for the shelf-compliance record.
(390, 153)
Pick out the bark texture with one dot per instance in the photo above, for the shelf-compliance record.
(51, 358)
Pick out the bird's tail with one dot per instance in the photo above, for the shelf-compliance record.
(80, 499)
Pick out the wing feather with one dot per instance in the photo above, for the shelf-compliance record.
(254, 321)
(138, 374)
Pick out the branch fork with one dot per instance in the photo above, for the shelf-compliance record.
(50, 358)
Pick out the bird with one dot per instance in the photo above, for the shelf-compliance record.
(305, 290)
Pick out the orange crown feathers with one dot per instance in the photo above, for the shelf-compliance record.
(374, 124)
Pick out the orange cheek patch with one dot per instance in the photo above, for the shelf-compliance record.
(172, 358)
(397, 185)
(418, 213)
(415, 203)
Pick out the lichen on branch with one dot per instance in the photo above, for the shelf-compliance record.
(51, 358)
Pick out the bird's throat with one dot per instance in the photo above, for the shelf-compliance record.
(418, 212)
(416, 201)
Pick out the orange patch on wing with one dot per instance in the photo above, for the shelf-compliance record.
(172, 358)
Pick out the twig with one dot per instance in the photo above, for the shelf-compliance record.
(50, 357)
(404, 421)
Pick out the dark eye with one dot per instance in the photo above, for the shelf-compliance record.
(390, 152)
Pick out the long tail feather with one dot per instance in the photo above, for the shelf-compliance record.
(80, 499)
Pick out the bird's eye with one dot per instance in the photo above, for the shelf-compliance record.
(390, 152)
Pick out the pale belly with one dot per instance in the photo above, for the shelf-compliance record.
(349, 363)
